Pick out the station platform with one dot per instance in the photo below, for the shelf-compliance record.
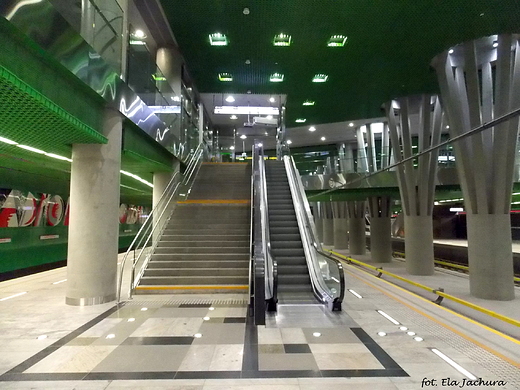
(208, 342)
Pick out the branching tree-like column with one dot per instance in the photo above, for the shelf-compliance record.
(480, 80)
(421, 115)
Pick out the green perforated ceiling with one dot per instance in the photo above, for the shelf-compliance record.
(389, 46)
(29, 118)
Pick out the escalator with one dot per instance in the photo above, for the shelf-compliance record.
(294, 283)
(287, 254)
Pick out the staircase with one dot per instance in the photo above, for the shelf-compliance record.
(205, 246)
(294, 283)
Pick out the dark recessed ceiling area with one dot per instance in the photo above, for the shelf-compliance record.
(389, 46)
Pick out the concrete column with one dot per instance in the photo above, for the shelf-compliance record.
(362, 161)
(356, 227)
(380, 229)
(418, 238)
(340, 214)
(328, 224)
(480, 80)
(493, 245)
(421, 115)
(93, 221)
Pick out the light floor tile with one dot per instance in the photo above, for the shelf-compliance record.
(227, 358)
(198, 358)
(296, 361)
(72, 359)
(269, 335)
(348, 348)
(293, 336)
(101, 328)
(344, 361)
(168, 327)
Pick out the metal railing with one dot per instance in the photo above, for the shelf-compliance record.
(148, 236)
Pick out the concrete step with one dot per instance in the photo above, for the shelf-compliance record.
(193, 280)
(200, 250)
(201, 256)
(197, 272)
(213, 224)
(198, 264)
(207, 231)
(203, 244)
(205, 237)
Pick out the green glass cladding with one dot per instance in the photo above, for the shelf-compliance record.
(387, 53)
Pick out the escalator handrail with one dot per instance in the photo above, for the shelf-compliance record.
(271, 264)
(311, 244)
(339, 266)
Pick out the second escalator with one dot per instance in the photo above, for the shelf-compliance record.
(294, 283)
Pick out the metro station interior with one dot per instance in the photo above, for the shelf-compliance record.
(286, 195)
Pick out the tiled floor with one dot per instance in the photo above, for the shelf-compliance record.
(208, 342)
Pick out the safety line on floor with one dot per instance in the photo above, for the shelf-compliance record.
(432, 290)
(483, 346)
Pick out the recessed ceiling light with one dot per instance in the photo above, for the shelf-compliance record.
(233, 117)
(276, 78)
(30, 148)
(495, 44)
(230, 99)
(300, 120)
(323, 138)
(320, 78)
(312, 128)
(246, 11)
(248, 62)
(138, 34)
(176, 98)
(308, 103)
(289, 142)
(231, 148)
(225, 77)
(451, 51)
(282, 40)
(337, 41)
(272, 99)
(260, 145)
(351, 124)
(269, 117)
(218, 39)
(243, 136)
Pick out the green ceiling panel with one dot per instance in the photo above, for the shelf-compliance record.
(387, 54)
(29, 118)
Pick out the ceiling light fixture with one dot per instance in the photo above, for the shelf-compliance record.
(269, 117)
(231, 148)
(282, 40)
(300, 120)
(308, 103)
(246, 110)
(233, 117)
(248, 62)
(246, 11)
(495, 44)
(323, 138)
(320, 78)
(30, 148)
(450, 51)
(225, 77)
(8, 141)
(289, 142)
(243, 136)
(337, 41)
(351, 124)
(276, 78)
(272, 99)
(218, 39)
(230, 99)
(312, 128)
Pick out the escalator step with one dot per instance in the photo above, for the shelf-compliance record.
(288, 252)
(286, 244)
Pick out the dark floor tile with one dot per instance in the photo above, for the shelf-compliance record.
(129, 375)
(234, 320)
(378, 352)
(179, 340)
(363, 373)
(282, 374)
(208, 375)
(297, 348)
(42, 377)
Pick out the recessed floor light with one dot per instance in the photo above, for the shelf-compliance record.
(42, 337)
(455, 365)
(144, 309)
(110, 336)
(60, 281)
(392, 320)
(206, 318)
(211, 308)
(131, 320)
(316, 334)
(13, 296)
(403, 328)
(410, 333)
(418, 338)
(197, 335)
(381, 334)
(355, 294)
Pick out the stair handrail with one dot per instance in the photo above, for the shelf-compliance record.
(311, 244)
(145, 233)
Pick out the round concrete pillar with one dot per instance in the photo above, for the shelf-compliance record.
(93, 221)
(357, 235)
(418, 240)
(328, 224)
(380, 239)
(340, 233)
